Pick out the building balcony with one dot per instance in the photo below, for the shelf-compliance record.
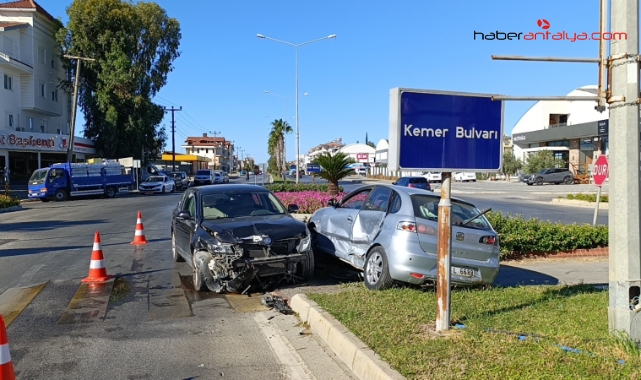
(8, 61)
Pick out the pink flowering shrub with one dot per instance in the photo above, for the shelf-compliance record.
(307, 201)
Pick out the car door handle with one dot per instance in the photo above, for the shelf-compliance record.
(349, 219)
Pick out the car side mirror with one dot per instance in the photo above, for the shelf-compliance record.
(292, 208)
(184, 214)
(332, 202)
(394, 183)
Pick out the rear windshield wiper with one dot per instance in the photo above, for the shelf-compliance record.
(476, 216)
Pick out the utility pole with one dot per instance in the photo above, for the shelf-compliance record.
(173, 135)
(72, 125)
(215, 147)
(624, 210)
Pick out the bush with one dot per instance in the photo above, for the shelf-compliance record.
(520, 237)
(293, 187)
(588, 197)
(8, 201)
(307, 201)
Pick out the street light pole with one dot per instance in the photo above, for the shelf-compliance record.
(286, 99)
(297, 119)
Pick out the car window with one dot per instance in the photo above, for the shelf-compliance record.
(426, 207)
(190, 204)
(357, 200)
(395, 203)
(379, 200)
(418, 180)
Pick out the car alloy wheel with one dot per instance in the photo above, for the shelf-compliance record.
(377, 276)
(539, 181)
(197, 276)
(567, 180)
(174, 251)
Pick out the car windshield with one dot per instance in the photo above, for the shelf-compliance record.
(203, 172)
(155, 179)
(426, 207)
(240, 204)
(38, 177)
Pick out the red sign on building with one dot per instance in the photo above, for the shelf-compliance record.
(362, 156)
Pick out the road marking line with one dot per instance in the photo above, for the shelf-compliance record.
(284, 351)
(26, 277)
(89, 304)
(15, 300)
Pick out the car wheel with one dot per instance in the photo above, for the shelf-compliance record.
(174, 251)
(197, 276)
(111, 192)
(305, 268)
(164, 189)
(61, 195)
(539, 181)
(377, 275)
(529, 184)
(567, 180)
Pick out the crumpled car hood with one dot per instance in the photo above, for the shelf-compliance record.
(275, 226)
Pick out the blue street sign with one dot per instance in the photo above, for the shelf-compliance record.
(313, 168)
(445, 131)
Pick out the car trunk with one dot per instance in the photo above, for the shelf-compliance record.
(465, 241)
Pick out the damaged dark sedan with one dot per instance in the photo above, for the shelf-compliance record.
(238, 236)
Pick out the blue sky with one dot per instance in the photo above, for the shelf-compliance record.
(224, 69)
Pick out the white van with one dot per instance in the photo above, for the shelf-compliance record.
(464, 176)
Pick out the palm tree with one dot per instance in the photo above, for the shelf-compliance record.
(333, 169)
(276, 142)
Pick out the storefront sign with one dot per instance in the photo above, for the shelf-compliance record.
(43, 142)
(519, 138)
(362, 156)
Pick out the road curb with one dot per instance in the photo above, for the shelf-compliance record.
(358, 357)
(10, 209)
(579, 203)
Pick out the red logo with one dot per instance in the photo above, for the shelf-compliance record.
(543, 24)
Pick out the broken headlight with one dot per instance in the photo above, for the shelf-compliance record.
(221, 248)
(306, 242)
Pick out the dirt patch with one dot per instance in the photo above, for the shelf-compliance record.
(429, 332)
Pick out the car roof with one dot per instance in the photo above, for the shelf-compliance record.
(219, 189)
(413, 191)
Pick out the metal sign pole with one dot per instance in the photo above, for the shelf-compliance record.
(444, 257)
(596, 209)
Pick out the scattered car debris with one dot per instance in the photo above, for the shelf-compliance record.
(278, 303)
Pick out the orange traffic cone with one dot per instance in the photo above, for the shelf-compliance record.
(6, 366)
(139, 236)
(97, 270)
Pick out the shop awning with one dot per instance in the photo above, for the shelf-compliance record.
(180, 157)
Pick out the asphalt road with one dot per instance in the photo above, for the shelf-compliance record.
(148, 323)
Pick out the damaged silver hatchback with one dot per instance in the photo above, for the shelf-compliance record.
(391, 234)
(238, 236)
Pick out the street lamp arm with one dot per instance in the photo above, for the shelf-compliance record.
(273, 39)
(319, 39)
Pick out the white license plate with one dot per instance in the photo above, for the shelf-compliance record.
(465, 272)
(149, 192)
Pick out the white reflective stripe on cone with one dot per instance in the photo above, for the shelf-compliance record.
(96, 247)
(139, 221)
(97, 264)
(5, 355)
(139, 233)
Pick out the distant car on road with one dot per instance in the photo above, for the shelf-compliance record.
(464, 177)
(180, 179)
(157, 184)
(432, 176)
(204, 177)
(551, 175)
(391, 233)
(417, 182)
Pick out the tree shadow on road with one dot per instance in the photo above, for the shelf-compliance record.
(46, 225)
(8, 252)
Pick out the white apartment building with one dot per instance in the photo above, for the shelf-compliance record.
(331, 147)
(34, 129)
(217, 150)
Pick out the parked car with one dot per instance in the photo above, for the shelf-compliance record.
(464, 177)
(391, 234)
(218, 177)
(181, 179)
(432, 176)
(551, 175)
(204, 177)
(157, 184)
(417, 182)
(230, 234)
